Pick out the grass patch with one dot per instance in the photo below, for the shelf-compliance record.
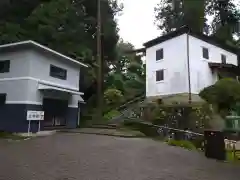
(131, 131)
(230, 157)
(111, 114)
(6, 135)
(182, 143)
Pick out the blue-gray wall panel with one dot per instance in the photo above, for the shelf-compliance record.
(13, 117)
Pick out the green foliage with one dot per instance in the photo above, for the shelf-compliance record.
(111, 114)
(6, 135)
(146, 129)
(113, 97)
(200, 117)
(226, 17)
(224, 94)
(171, 15)
(70, 27)
(181, 143)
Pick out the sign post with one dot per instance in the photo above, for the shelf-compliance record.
(34, 116)
(29, 127)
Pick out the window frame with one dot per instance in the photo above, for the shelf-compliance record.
(223, 61)
(54, 74)
(160, 78)
(4, 70)
(203, 54)
(161, 54)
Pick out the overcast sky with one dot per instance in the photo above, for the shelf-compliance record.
(137, 21)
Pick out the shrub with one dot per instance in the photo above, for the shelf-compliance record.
(224, 94)
(111, 114)
(181, 143)
(113, 97)
(146, 129)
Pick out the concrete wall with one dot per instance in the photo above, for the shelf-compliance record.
(19, 67)
(13, 118)
(174, 64)
(18, 91)
(201, 75)
(19, 63)
(40, 69)
(27, 68)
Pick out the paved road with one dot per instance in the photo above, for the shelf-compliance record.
(92, 157)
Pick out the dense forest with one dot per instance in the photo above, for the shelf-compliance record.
(70, 26)
(218, 18)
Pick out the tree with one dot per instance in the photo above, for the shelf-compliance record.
(128, 72)
(113, 97)
(173, 14)
(226, 18)
(224, 95)
(67, 26)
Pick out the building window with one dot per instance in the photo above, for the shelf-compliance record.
(205, 53)
(160, 75)
(224, 59)
(4, 66)
(58, 72)
(159, 54)
(2, 99)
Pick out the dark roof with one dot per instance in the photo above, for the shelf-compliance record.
(185, 29)
(227, 67)
(141, 50)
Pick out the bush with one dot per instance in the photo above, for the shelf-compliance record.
(181, 143)
(111, 114)
(146, 129)
(224, 94)
(113, 97)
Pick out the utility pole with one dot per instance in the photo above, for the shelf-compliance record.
(99, 60)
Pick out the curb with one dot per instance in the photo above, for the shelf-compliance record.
(104, 134)
(12, 140)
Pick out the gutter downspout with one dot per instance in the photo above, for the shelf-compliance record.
(188, 66)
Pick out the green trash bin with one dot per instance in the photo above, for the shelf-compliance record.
(232, 123)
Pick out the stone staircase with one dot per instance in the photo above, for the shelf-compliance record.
(128, 110)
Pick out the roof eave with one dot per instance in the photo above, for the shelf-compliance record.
(30, 42)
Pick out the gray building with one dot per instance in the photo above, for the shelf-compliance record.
(36, 78)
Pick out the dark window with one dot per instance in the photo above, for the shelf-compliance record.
(159, 75)
(224, 59)
(159, 54)
(2, 99)
(4, 66)
(58, 72)
(205, 53)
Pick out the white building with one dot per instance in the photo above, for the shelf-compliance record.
(36, 78)
(180, 64)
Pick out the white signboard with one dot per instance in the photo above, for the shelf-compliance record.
(35, 115)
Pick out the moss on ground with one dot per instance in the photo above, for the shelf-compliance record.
(6, 135)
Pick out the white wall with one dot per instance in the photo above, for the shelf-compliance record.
(40, 69)
(200, 73)
(16, 90)
(29, 66)
(175, 65)
(19, 63)
(19, 67)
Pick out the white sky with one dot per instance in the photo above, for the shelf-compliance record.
(137, 21)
